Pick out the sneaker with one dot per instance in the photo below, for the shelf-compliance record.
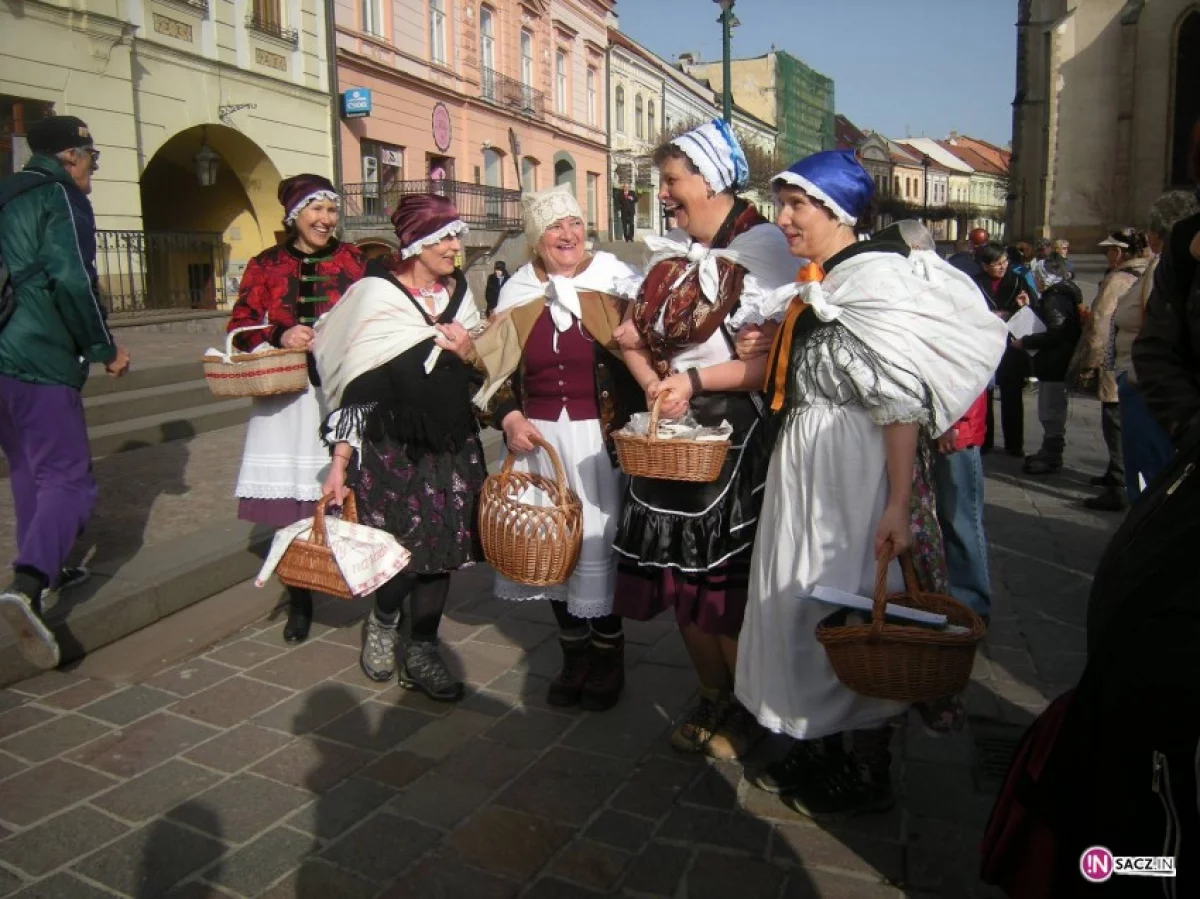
(705, 717)
(424, 670)
(378, 657)
(736, 736)
(788, 773)
(566, 689)
(841, 788)
(606, 674)
(24, 616)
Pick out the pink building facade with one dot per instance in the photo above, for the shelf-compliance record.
(504, 94)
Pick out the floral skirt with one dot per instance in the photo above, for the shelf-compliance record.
(428, 500)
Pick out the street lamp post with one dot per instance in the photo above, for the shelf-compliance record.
(726, 21)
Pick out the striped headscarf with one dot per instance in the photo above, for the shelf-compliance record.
(715, 151)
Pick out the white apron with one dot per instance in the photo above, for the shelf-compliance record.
(284, 457)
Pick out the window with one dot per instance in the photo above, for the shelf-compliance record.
(487, 53)
(593, 197)
(437, 31)
(268, 13)
(526, 58)
(591, 96)
(529, 173)
(372, 17)
(620, 109)
(637, 117)
(896, 186)
(560, 81)
(650, 117)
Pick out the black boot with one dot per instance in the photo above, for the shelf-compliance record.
(424, 670)
(566, 689)
(605, 673)
(299, 620)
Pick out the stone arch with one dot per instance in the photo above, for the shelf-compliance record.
(1185, 95)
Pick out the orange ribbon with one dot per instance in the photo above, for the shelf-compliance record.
(781, 347)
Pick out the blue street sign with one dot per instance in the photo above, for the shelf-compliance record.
(356, 103)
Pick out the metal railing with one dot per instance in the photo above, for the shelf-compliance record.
(158, 270)
(510, 93)
(480, 206)
(269, 24)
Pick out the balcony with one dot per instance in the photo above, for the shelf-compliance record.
(512, 94)
(267, 22)
(142, 271)
(491, 208)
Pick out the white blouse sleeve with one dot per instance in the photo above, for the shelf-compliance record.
(757, 305)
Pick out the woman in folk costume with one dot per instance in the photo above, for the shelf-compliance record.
(879, 346)
(565, 382)
(288, 287)
(396, 361)
(685, 545)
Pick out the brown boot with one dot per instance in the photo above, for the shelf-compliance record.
(565, 689)
(702, 722)
(737, 735)
(606, 673)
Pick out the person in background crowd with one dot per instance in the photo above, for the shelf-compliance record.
(566, 383)
(686, 546)
(399, 367)
(1006, 293)
(627, 201)
(495, 283)
(1052, 349)
(964, 258)
(1146, 447)
(288, 287)
(1062, 249)
(1091, 368)
(881, 348)
(57, 329)
(1020, 260)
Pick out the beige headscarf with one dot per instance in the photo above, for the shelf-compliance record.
(544, 208)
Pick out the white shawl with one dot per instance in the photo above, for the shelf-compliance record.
(762, 251)
(922, 315)
(374, 323)
(561, 293)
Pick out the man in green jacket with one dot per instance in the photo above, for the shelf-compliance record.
(57, 329)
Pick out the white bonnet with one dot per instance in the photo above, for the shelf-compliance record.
(546, 207)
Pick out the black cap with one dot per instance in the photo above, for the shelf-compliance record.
(56, 133)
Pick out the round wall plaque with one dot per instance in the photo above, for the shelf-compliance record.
(442, 129)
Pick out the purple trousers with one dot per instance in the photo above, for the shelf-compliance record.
(44, 436)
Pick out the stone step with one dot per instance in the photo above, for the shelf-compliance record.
(125, 405)
(143, 377)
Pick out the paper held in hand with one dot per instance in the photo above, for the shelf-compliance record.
(895, 613)
(1025, 322)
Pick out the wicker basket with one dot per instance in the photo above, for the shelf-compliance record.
(908, 663)
(310, 563)
(699, 461)
(534, 545)
(268, 373)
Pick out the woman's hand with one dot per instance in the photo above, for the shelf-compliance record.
(948, 442)
(299, 337)
(893, 534)
(335, 481)
(755, 340)
(455, 339)
(678, 390)
(627, 337)
(1022, 299)
(519, 433)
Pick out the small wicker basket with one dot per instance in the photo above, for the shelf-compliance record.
(699, 461)
(268, 373)
(907, 663)
(310, 563)
(530, 544)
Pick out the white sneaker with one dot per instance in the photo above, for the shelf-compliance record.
(34, 638)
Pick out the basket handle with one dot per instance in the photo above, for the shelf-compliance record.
(560, 473)
(878, 611)
(236, 331)
(655, 409)
(349, 513)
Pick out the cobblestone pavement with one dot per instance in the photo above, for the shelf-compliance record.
(253, 769)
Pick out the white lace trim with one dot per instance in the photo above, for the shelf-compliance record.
(278, 491)
(580, 608)
(455, 227)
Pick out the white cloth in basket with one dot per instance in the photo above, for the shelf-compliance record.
(366, 556)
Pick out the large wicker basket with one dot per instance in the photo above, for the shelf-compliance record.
(531, 544)
(908, 663)
(310, 563)
(268, 373)
(699, 461)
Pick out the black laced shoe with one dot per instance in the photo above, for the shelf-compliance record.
(702, 721)
(424, 670)
(788, 773)
(841, 787)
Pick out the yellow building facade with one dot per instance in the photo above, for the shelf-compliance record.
(199, 108)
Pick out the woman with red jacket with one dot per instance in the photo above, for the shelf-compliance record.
(287, 288)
